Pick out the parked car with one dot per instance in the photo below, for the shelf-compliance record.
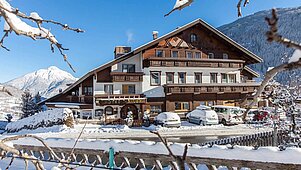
(203, 115)
(228, 114)
(168, 119)
(280, 114)
(258, 115)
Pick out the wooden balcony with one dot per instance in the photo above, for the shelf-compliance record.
(105, 99)
(184, 62)
(218, 88)
(127, 77)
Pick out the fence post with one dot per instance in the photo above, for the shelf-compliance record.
(111, 158)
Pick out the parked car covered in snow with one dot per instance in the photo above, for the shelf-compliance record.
(228, 114)
(168, 119)
(203, 115)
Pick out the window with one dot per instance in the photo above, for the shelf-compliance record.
(232, 78)
(98, 112)
(109, 110)
(193, 38)
(128, 68)
(159, 53)
(108, 88)
(225, 56)
(128, 89)
(181, 106)
(88, 90)
(155, 78)
(175, 54)
(155, 109)
(224, 78)
(188, 54)
(169, 78)
(213, 77)
(182, 78)
(211, 55)
(198, 78)
(198, 54)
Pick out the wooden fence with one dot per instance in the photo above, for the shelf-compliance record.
(100, 159)
(258, 139)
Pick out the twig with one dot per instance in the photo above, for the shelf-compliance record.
(239, 6)
(180, 160)
(10, 163)
(77, 139)
(2, 40)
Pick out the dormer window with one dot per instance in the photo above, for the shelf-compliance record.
(188, 54)
(211, 55)
(198, 54)
(175, 54)
(159, 53)
(225, 56)
(193, 38)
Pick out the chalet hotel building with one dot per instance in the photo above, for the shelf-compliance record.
(192, 65)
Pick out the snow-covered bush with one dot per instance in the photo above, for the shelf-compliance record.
(43, 119)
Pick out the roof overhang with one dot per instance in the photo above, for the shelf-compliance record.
(249, 70)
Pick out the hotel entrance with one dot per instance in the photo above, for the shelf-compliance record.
(129, 108)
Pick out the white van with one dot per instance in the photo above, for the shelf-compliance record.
(228, 114)
(203, 115)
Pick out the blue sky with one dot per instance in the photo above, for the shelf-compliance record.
(109, 23)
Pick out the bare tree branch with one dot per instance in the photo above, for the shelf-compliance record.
(2, 40)
(239, 6)
(179, 159)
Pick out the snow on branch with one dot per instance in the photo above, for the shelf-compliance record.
(294, 63)
(14, 23)
(180, 4)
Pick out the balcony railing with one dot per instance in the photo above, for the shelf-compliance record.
(211, 88)
(127, 77)
(184, 62)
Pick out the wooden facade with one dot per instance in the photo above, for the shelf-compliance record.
(192, 65)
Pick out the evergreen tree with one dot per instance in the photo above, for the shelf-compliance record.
(28, 105)
(37, 99)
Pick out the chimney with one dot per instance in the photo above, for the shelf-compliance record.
(155, 35)
(121, 50)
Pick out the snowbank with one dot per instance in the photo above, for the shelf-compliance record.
(43, 119)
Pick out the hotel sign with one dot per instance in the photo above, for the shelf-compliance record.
(120, 101)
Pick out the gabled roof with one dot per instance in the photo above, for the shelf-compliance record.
(254, 73)
(248, 53)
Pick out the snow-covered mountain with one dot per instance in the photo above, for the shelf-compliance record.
(250, 31)
(47, 82)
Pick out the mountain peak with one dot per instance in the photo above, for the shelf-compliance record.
(53, 68)
(47, 82)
